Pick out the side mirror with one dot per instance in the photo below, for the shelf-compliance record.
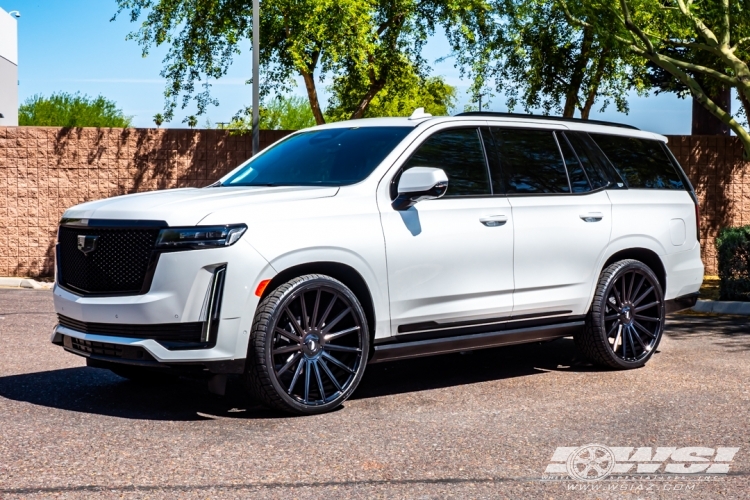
(420, 183)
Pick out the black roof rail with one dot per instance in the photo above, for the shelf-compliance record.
(545, 117)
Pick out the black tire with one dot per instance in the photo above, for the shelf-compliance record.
(625, 323)
(296, 363)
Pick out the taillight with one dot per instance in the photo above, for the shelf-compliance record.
(698, 221)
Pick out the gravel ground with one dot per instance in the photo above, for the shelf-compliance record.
(480, 425)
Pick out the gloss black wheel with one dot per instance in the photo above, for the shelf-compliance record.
(626, 320)
(309, 345)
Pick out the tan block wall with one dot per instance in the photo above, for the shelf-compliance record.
(44, 170)
(721, 180)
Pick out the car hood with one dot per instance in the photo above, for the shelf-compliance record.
(187, 207)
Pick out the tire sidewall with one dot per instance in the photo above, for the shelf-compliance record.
(300, 285)
(598, 310)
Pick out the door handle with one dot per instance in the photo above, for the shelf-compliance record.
(592, 217)
(494, 220)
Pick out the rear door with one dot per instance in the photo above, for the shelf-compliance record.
(562, 223)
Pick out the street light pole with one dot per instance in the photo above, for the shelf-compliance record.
(256, 77)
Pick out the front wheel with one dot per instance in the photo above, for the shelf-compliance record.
(309, 344)
(626, 319)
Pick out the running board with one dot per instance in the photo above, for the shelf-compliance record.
(403, 350)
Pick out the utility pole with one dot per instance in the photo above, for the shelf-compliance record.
(256, 77)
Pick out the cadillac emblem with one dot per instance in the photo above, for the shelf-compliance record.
(87, 243)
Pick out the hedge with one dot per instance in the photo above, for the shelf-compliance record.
(733, 246)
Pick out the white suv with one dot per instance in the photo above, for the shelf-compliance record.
(373, 240)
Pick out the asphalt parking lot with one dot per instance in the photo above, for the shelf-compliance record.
(479, 425)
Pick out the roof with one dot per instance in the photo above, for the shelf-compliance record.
(592, 126)
(546, 117)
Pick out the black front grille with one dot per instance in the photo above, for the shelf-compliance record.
(104, 350)
(96, 348)
(119, 263)
(161, 332)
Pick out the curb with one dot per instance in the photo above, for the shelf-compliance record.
(722, 307)
(25, 283)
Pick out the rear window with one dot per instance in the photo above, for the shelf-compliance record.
(642, 163)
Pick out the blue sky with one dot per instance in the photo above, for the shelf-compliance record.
(72, 46)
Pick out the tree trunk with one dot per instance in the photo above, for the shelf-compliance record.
(594, 85)
(365, 101)
(312, 93)
(576, 78)
(312, 96)
(704, 122)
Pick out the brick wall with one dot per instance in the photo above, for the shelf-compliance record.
(44, 170)
(722, 182)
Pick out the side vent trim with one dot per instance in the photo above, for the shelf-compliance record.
(212, 306)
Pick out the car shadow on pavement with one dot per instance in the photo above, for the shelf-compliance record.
(471, 367)
(731, 332)
(98, 391)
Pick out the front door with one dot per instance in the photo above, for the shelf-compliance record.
(450, 260)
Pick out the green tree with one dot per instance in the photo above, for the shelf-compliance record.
(400, 98)
(671, 34)
(71, 110)
(372, 42)
(279, 113)
(532, 54)
(158, 119)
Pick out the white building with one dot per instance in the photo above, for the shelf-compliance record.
(8, 69)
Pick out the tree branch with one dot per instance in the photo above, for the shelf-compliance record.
(708, 35)
(630, 25)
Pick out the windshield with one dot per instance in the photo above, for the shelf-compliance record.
(329, 157)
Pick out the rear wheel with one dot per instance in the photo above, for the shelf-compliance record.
(626, 320)
(308, 347)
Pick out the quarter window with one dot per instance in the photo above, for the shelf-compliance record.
(578, 180)
(530, 161)
(592, 160)
(459, 153)
(642, 163)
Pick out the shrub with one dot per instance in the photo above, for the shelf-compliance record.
(71, 110)
(733, 246)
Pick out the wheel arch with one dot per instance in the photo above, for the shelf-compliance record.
(337, 270)
(645, 255)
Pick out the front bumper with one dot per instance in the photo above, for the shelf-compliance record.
(178, 294)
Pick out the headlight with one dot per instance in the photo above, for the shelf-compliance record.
(200, 236)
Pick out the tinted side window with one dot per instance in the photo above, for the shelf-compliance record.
(578, 180)
(591, 159)
(642, 163)
(530, 161)
(459, 152)
(493, 160)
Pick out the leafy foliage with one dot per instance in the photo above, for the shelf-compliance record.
(280, 113)
(539, 60)
(399, 98)
(71, 110)
(733, 245)
(701, 44)
(364, 44)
